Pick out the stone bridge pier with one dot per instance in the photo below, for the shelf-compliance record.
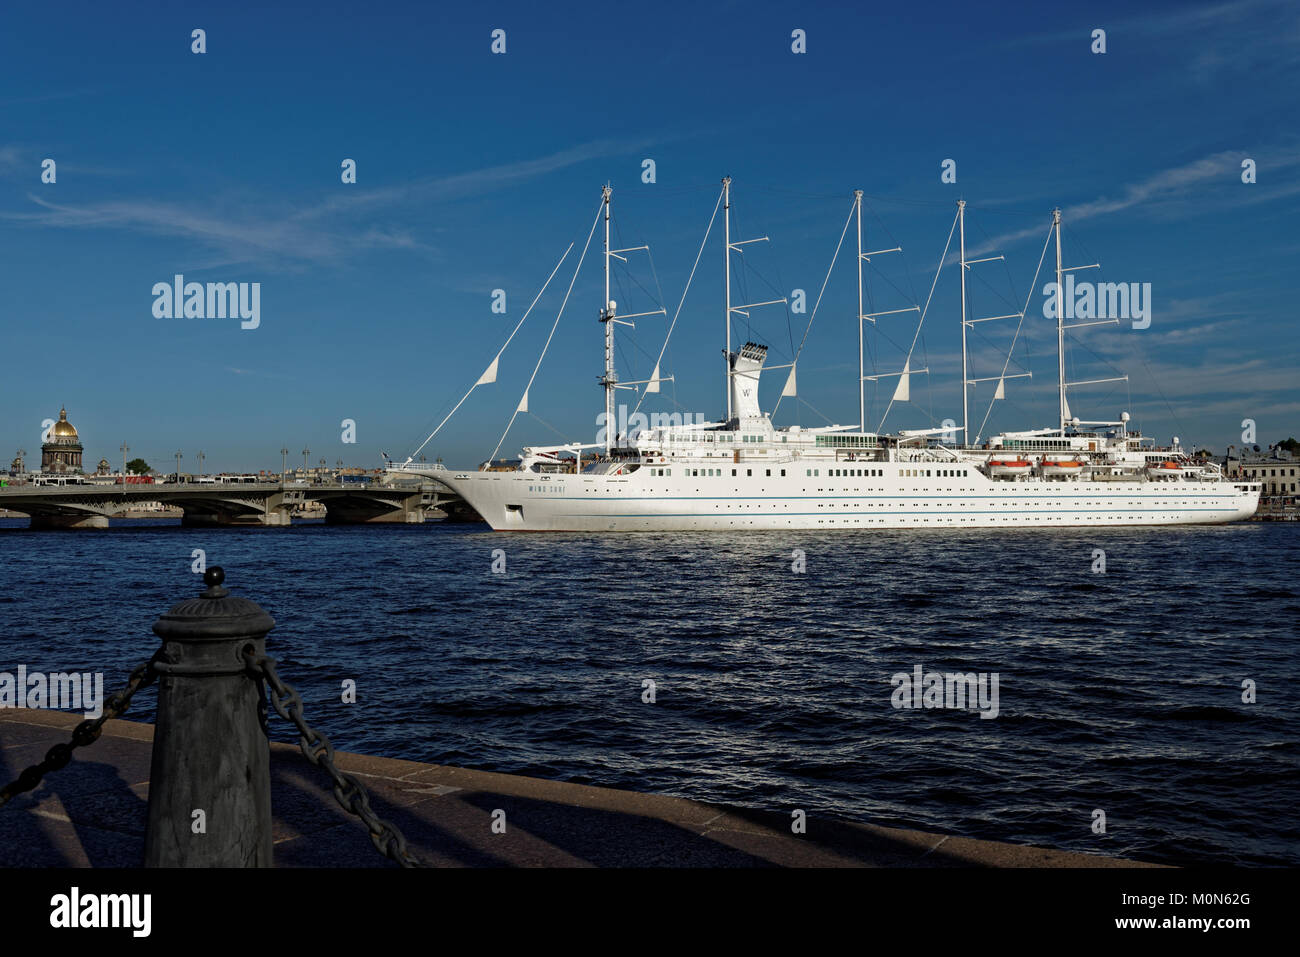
(68, 519)
(262, 504)
(263, 509)
(347, 507)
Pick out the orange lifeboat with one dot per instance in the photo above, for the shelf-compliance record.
(1009, 467)
(1061, 467)
(1168, 469)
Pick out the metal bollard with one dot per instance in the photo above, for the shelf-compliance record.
(210, 778)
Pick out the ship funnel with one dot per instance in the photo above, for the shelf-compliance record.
(746, 367)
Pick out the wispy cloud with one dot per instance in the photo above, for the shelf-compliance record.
(324, 232)
(1251, 37)
(239, 235)
(46, 97)
(471, 183)
(1180, 184)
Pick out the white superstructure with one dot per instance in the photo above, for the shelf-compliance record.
(747, 473)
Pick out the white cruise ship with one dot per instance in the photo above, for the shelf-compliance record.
(745, 473)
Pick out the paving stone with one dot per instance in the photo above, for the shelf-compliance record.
(93, 813)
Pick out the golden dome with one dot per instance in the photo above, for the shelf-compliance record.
(63, 428)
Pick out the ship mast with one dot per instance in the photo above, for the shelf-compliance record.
(1060, 317)
(965, 374)
(610, 379)
(726, 280)
(862, 382)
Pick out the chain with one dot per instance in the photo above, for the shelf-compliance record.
(316, 748)
(87, 732)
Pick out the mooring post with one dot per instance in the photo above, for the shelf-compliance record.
(210, 778)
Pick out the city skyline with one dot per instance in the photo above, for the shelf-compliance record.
(376, 296)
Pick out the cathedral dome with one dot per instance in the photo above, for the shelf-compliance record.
(62, 453)
(63, 428)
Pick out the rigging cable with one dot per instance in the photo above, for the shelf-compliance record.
(921, 321)
(554, 325)
(479, 381)
(672, 325)
(813, 314)
(1032, 286)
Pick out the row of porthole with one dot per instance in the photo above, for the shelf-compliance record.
(857, 521)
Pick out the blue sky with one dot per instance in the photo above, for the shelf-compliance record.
(475, 171)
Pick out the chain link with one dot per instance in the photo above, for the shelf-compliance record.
(87, 732)
(316, 748)
(287, 702)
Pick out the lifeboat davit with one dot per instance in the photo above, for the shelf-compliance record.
(1009, 467)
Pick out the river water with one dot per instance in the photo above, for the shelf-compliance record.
(1118, 691)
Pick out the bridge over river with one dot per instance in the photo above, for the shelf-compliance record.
(263, 503)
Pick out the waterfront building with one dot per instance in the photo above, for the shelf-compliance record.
(1277, 471)
(61, 455)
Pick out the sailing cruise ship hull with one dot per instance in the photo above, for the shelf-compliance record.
(743, 472)
(513, 501)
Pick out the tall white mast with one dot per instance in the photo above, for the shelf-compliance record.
(610, 379)
(862, 382)
(1060, 315)
(726, 253)
(965, 375)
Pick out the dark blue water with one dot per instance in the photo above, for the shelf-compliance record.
(1118, 691)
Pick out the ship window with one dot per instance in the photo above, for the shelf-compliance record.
(733, 473)
(782, 473)
(749, 471)
(807, 472)
(768, 473)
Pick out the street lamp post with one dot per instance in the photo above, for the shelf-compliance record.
(284, 465)
(125, 448)
(305, 452)
(178, 466)
(200, 463)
